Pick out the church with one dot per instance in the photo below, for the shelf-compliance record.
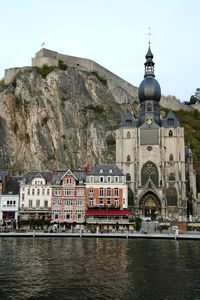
(152, 153)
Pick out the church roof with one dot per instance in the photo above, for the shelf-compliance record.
(128, 121)
(170, 121)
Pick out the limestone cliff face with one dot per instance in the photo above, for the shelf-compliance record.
(65, 120)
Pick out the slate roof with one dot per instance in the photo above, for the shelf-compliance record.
(29, 176)
(170, 116)
(12, 185)
(128, 121)
(106, 168)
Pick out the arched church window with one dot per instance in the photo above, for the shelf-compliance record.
(149, 107)
(149, 171)
(128, 177)
(171, 158)
(171, 195)
(128, 158)
(171, 177)
(128, 135)
(170, 133)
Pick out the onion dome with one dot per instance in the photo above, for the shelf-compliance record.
(149, 88)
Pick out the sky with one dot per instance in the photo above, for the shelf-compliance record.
(113, 33)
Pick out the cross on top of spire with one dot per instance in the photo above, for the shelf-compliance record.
(149, 34)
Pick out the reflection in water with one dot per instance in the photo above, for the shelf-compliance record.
(74, 268)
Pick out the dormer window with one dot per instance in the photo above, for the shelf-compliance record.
(101, 171)
(128, 122)
(170, 122)
(110, 171)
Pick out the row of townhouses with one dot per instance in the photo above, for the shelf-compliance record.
(65, 197)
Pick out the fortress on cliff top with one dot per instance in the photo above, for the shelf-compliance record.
(122, 91)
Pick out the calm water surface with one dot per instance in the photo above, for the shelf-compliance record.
(74, 268)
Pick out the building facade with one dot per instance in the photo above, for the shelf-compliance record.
(68, 197)
(107, 197)
(152, 154)
(35, 196)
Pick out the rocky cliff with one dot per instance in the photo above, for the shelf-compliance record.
(63, 120)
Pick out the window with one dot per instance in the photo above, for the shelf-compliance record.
(68, 202)
(171, 177)
(48, 192)
(116, 179)
(68, 214)
(33, 192)
(149, 107)
(68, 192)
(37, 203)
(28, 192)
(30, 203)
(170, 122)
(45, 204)
(108, 179)
(108, 192)
(149, 171)
(38, 192)
(101, 179)
(116, 202)
(43, 192)
(56, 202)
(80, 192)
(79, 202)
(91, 179)
(79, 214)
(116, 192)
(91, 204)
(23, 197)
(128, 177)
(170, 133)
(91, 191)
(108, 201)
(171, 158)
(128, 135)
(128, 158)
(56, 214)
(101, 192)
(57, 191)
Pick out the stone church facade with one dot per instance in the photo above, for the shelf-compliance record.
(152, 154)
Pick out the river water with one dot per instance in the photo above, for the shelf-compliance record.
(75, 268)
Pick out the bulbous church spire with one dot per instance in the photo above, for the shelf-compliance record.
(149, 88)
(149, 93)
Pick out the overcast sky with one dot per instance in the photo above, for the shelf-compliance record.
(111, 32)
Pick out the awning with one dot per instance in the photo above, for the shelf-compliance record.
(109, 212)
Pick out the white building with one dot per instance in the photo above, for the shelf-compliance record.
(9, 201)
(35, 196)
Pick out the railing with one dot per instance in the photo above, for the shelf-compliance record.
(107, 220)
